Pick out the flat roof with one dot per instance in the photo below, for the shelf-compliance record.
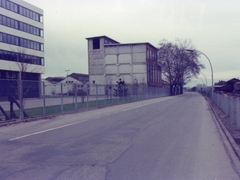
(102, 37)
(129, 44)
(120, 44)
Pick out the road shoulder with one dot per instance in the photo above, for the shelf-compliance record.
(229, 129)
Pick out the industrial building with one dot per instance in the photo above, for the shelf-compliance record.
(135, 63)
(21, 48)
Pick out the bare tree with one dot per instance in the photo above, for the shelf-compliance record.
(178, 66)
(23, 65)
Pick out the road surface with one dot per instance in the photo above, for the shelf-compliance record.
(166, 138)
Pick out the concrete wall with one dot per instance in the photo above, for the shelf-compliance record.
(96, 62)
(127, 62)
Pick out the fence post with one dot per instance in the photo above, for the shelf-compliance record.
(61, 98)
(21, 98)
(118, 94)
(111, 95)
(238, 111)
(226, 104)
(123, 94)
(88, 90)
(105, 94)
(44, 99)
(75, 96)
(97, 95)
(235, 110)
(228, 107)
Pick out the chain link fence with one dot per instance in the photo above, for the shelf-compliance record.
(30, 99)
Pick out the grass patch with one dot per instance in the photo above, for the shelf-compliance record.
(58, 109)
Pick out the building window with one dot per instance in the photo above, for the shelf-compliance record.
(12, 23)
(41, 33)
(15, 8)
(96, 43)
(8, 22)
(6, 4)
(10, 39)
(42, 61)
(4, 20)
(42, 47)
(20, 57)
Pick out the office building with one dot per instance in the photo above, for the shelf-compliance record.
(21, 47)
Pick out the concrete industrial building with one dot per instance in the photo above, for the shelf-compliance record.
(21, 47)
(135, 63)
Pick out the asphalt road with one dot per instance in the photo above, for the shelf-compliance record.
(166, 138)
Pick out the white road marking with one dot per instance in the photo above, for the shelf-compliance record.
(47, 130)
(59, 127)
(138, 106)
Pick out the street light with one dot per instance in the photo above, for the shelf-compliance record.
(67, 81)
(209, 63)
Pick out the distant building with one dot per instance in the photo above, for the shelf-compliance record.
(135, 63)
(55, 80)
(230, 86)
(83, 78)
(65, 85)
(21, 47)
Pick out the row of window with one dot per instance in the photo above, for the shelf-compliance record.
(151, 55)
(154, 73)
(9, 22)
(6, 4)
(13, 75)
(8, 74)
(17, 41)
(21, 57)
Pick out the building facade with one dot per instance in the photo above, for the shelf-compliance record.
(135, 63)
(21, 47)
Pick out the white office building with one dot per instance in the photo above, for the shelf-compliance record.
(21, 47)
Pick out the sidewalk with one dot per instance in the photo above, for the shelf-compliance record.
(231, 131)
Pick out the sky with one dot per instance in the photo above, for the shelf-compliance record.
(213, 26)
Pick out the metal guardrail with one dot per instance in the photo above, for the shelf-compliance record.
(229, 104)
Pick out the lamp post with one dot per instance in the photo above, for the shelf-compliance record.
(67, 81)
(209, 63)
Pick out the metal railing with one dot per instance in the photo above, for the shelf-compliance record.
(40, 99)
(229, 104)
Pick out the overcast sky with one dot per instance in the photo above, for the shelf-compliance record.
(212, 25)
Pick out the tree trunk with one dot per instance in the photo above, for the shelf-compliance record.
(171, 89)
(181, 89)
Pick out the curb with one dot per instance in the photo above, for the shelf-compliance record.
(17, 121)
